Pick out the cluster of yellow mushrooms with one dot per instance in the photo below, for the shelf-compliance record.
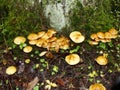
(45, 40)
(103, 36)
(50, 41)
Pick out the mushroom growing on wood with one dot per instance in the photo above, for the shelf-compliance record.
(11, 70)
(97, 86)
(101, 60)
(73, 59)
(19, 39)
(76, 37)
(27, 49)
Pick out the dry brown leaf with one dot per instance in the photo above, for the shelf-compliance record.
(32, 83)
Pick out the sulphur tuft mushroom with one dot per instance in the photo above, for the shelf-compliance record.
(101, 35)
(108, 35)
(97, 86)
(11, 70)
(27, 49)
(73, 59)
(19, 39)
(40, 34)
(101, 60)
(93, 36)
(76, 37)
(93, 42)
(33, 42)
(32, 36)
(113, 31)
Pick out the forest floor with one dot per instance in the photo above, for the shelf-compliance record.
(67, 77)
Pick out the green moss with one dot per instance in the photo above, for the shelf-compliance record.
(93, 18)
(20, 17)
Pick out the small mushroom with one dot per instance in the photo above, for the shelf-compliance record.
(113, 31)
(27, 49)
(73, 59)
(19, 39)
(94, 36)
(45, 36)
(108, 35)
(32, 36)
(40, 34)
(100, 35)
(97, 86)
(114, 36)
(93, 42)
(51, 31)
(40, 42)
(52, 39)
(65, 46)
(105, 40)
(32, 42)
(11, 70)
(101, 60)
(77, 37)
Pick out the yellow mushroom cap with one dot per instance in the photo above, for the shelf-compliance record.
(40, 34)
(72, 59)
(52, 31)
(27, 49)
(101, 60)
(40, 42)
(33, 42)
(93, 36)
(19, 39)
(93, 42)
(52, 39)
(11, 70)
(106, 40)
(77, 37)
(32, 36)
(45, 36)
(101, 35)
(113, 31)
(108, 35)
(97, 86)
(66, 46)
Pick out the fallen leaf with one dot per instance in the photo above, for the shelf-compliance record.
(60, 82)
(32, 83)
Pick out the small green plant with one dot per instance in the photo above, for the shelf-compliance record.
(75, 49)
(54, 70)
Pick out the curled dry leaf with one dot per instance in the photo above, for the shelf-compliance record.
(32, 83)
(42, 53)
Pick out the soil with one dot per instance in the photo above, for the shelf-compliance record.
(75, 77)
